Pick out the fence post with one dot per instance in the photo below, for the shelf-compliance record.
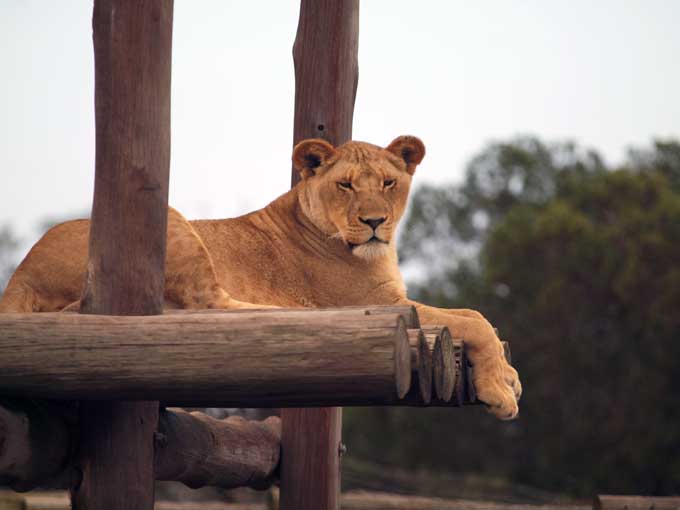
(326, 75)
(126, 266)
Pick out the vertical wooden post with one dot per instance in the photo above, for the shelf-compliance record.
(326, 74)
(325, 54)
(126, 267)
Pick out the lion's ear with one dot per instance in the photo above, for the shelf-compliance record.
(410, 149)
(309, 155)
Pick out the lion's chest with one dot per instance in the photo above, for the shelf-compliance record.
(256, 266)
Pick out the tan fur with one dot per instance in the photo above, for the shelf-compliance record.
(310, 247)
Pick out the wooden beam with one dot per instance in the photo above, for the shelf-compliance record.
(36, 438)
(126, 265)
(241, 359)
(325, 54)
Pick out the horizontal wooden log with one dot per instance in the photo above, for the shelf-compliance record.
(35, 442)
(198, 450)
(246, 359)
(408, 313)
(37, 437)
(605, 502)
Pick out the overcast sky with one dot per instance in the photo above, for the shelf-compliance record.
(457, 74)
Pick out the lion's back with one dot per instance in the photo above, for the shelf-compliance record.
(250, 262)
(51, 275)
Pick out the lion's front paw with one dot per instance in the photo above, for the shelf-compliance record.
(497, 385)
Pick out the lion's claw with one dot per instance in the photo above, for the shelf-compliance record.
(498, 386)
(512, 380)
(500, 400)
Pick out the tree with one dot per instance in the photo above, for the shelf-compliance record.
(578, 266)
(8, 247)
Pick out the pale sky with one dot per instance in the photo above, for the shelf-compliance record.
(457, 74)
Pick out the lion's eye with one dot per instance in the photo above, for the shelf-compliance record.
(345, 185)
(388, 183)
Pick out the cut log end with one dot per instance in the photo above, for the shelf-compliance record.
(402, 359)
(421, 361)
(443, 361)
(460, 362)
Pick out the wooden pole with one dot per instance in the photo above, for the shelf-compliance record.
(325, 55)
(126, 266)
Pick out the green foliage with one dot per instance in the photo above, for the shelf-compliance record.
(578, 266)
(525, 171)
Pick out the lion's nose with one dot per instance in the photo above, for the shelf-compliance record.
(372, 222)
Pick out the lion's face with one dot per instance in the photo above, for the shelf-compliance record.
(358, 191)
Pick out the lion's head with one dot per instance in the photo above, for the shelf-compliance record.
(357, 191)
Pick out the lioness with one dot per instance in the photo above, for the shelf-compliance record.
(327, 242)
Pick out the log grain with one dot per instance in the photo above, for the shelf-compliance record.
(408, 313)
(326, 59)
(126, 262)
(460, 388)
(443, 361)
(198, 450)
(132, 54)
(325, 55)
(240, 360)
(421, 366)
